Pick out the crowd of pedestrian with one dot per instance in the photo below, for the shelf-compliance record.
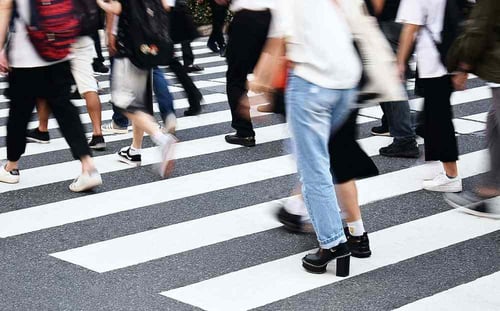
(318, 62)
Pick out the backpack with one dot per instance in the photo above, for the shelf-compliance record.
(144, 33)
(52, 28)
(87, 12)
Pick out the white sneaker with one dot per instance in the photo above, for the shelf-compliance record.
(86, 182)
(441, 183)
(170, 123)
(11, 177)
(167, 155)
(111, 128)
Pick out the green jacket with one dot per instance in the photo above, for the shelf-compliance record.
(480, 43)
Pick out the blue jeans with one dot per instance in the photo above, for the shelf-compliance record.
(314, 113)
(165, 99)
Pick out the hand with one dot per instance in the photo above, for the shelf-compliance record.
(111, 44)
(4, 63)
(402, 71)
(460, 80)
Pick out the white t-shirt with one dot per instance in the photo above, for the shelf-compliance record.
(22, 54)
(321, 47)
(254, 5)
(431, 14)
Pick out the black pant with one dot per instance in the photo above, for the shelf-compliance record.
(52, 83)
(193, 94)
(187, 53)
(219, 13)
(98, 48)
(439, 132)
(247, 36)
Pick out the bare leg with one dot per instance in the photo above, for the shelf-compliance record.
(94, 110)
(11, 166)
(43, 110)
(347, 196)
(138, 135)
(451, 169)
(145, 122)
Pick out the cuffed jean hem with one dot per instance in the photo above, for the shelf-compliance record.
(334, 241)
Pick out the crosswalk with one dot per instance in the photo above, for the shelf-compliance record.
(206, 238)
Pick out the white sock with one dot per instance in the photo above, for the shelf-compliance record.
(356, 228)
(160, 139)
(134, 151)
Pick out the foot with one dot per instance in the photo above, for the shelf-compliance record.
(213, 47)
(192, 111)
(401, 150)
(194, 68)
(222, 51)
(170, 123)
(86, 181)
(358, 245)
(382, 130)
(97, 143)
(317, 262)
(265, 108)
(167, 156)
(466, 199)
(442, 183)
(35, 136)
(489, 208)
(294, 223)
(248, 141)
(100, 68)
(9, 177)
(125, 156)
(111, 128)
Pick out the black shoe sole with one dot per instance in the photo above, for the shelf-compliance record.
(244, 144)
(361, 255)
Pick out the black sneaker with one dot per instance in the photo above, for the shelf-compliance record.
(100, 68)
(473, 204)
(194, 68)
(213, 46)
(358, 245)
(382, 130)
(401, 150)
(237, 140)
(192, 111)
(317, 262)
(487, 209)
(35, 136)
(292, 222)
(97, 143)
(125, 157)
(222, 51)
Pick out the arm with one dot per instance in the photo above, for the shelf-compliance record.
(5, 16)
(167, 4)
(406, 41)
(113, 7)
(378, 6)
(110, 36)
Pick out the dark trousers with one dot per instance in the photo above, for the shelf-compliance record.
(193, 94)
(52, 83)
(219, 13)
(98, 48)
(247, 36)
(187, 53)
(439, 132)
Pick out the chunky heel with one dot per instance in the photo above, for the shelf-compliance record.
(343, 264)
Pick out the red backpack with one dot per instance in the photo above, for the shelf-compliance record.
(53, 27)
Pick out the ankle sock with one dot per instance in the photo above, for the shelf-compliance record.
(134, 151)
(356, 228)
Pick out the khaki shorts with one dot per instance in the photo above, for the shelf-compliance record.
(83, 52)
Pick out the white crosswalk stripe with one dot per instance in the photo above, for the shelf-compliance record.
(226, 176)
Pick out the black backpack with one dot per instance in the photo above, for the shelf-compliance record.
(144, 33)
(88, 13)
(455, 15)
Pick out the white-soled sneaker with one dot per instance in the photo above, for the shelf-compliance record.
(111, 128)
(442, 183)
(86, 181)
(167, 156)
(11, 177)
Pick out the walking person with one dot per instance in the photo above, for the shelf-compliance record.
(216, 42)
(49, 80)
(478, 51)
(424, 22)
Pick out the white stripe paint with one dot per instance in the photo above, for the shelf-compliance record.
(101, 204)
(481, 294)
(141, 247)
(480, 117)
(272, 281)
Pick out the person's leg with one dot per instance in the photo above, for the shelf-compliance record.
(219, 13)
(163, 95)
(41, 133)
(492, 186)
(187, 54)
(440, 140)
(193, 94)
(247, 36)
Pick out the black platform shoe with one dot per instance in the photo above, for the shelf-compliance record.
(317, 262)
(358, 245)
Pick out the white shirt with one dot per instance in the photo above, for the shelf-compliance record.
(253, 5)
(431, 14)
(22, 54)
(321, 47)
